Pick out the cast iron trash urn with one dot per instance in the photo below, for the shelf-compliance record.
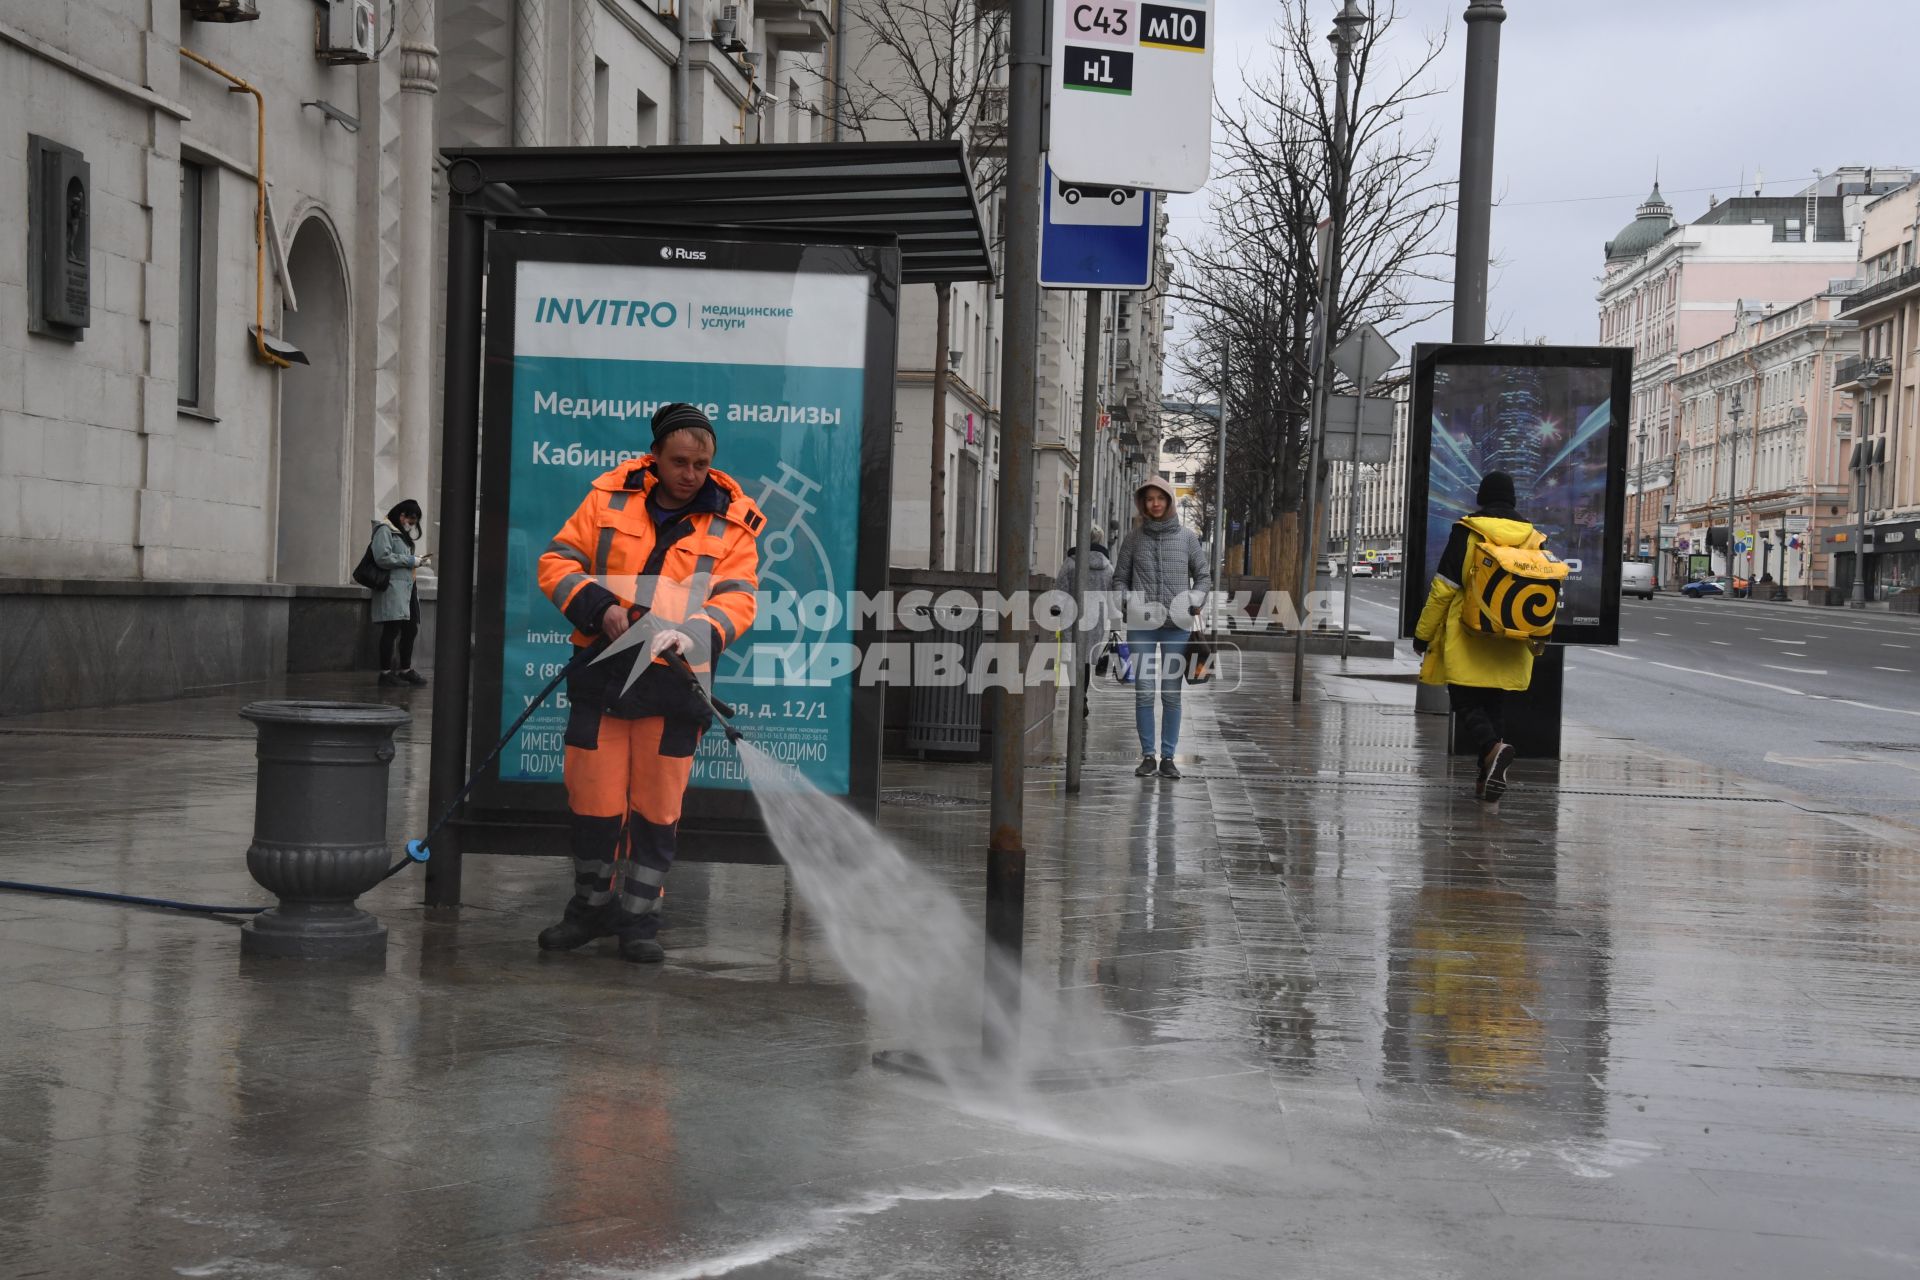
(320, 826)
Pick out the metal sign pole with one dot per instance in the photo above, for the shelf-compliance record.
(1353, 506)
(1220, 482)
(1006, 846)
(1083, 540)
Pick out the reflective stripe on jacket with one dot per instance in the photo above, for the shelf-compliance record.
(1455, 653)
(695, 570)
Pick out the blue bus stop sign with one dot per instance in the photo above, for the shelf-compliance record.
(1094, 237)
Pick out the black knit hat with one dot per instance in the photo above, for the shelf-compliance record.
(669, 418)
(1496, 490)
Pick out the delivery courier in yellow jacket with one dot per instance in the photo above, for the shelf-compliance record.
(667, 547)
(1495, 595)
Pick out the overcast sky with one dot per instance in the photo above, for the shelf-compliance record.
(1595, 93)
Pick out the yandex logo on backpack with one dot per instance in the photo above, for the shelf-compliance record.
(1512, 591)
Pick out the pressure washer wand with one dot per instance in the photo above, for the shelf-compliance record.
(722, 711)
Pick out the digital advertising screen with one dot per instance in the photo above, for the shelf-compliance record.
(1553, 418)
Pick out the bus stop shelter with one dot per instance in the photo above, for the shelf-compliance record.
(915, 198)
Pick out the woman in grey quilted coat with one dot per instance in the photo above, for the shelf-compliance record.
(396, 610)
(1162, 576)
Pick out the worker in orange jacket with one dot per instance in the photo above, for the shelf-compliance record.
(666, 547)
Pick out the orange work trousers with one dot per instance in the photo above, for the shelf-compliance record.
(624, 801)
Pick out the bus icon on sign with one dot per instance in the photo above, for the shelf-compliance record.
(1084, 204)
(1075, 192)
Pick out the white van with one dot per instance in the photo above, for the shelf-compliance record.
(1636, 579)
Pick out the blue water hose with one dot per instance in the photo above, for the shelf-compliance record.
(419, 850)
(416, 850)
(129, 899)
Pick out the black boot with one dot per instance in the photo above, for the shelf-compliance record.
(569, 935)
(641, 950)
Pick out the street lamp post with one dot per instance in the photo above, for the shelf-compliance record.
(1640, 496)
(1733, 470)
(1346, 34)
(1474, 220)
(1869, 379)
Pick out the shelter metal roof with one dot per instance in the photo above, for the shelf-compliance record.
(920, 192)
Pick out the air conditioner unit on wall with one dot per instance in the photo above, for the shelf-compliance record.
(221, 10)
(347, 31)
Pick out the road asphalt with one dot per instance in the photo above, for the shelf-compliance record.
(1822, 702)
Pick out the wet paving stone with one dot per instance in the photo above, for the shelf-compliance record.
(1342, 1021)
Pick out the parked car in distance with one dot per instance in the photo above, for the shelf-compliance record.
(1720, 586)
(1363, 568)
(1636, 579)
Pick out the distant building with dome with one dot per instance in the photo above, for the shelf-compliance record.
(1670, 287)
(1651, 224)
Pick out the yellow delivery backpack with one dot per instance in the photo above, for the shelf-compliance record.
(1512, 591)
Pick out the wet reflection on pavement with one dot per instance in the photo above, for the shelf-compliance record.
(1645, 1020)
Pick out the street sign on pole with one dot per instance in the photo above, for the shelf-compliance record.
(1376, 428)
(1095, 237)
(1132, 101)
(1364, 353)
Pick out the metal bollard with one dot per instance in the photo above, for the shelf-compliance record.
(320, 826)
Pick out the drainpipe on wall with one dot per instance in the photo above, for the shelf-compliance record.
(237, 85)
(692, 15)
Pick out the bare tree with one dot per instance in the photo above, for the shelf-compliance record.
(1256, 265)
(930, 70)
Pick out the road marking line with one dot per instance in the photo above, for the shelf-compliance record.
(1771, 640)
(1626, 640)
(1869, 706)
(1899, 670)
(1721, 675)
(1798, 671)
(1667, 634)
(1624, 657)
(1885, 645)
(1726, 643)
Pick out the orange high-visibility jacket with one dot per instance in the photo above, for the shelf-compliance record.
(696, 571)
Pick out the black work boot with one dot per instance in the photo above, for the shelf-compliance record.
(569, 935)
(642, 950)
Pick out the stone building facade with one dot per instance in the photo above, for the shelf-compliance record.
(166, 478)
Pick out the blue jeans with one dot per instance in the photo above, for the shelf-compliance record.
(1159, 660)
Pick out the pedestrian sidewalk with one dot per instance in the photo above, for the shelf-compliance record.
(1645, 1020)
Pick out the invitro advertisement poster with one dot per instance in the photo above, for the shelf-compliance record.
(777, 358)
(1553, 418)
